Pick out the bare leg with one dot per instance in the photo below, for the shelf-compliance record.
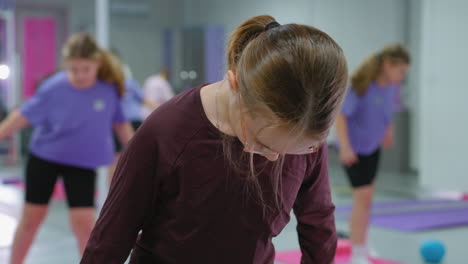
(32, 217)
(82, 222)
(362, 200)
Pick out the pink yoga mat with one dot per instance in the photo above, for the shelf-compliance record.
(343, 254)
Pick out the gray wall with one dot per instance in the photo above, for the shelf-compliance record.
(414, 80)
(138, 36)
(359, 26)
(442, 95)
(80, 13)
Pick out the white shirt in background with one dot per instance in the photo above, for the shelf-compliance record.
(157, 90)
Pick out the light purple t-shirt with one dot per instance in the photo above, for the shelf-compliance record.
(132, 101)
(71, 126)
(368, 117)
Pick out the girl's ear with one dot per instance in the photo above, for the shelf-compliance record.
(232, 78)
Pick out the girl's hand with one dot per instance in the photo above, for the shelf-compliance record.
(389, 138)
(348, 157)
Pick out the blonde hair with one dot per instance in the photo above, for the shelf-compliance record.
(83, 46)
(297, 71)
(371, 67)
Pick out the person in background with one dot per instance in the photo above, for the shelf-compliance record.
(73, 114)
(363, 127)
(157, 90)
(132, 102)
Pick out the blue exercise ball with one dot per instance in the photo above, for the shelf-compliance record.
(432, 251)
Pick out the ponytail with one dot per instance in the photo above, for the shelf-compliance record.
(246, 32)
(365, 74)
(111, 71)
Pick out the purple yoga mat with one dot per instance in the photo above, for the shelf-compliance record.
(446, 215)
(345, 210)
(422, 220)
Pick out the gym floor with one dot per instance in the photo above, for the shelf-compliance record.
(55, 243)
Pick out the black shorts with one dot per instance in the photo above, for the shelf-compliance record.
(41, 176)
(364, 171)
(118, 146)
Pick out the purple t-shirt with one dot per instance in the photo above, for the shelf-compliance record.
(368, 117)
(71, 126)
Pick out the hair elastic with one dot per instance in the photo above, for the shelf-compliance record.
(272, 25)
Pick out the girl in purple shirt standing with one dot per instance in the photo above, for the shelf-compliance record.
(73, 114)
(363, 126)
(213, 174)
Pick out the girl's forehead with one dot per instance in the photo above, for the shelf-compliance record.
(277, 135)
(80, 61)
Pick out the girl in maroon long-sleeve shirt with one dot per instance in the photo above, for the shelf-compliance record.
(212, 175)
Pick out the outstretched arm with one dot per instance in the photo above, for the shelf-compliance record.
(14, 122)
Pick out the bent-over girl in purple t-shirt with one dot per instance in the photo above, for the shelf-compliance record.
(73, 114)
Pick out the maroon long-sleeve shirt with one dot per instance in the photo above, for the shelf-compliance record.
(173, 184)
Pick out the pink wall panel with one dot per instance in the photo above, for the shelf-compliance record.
(39, 51)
